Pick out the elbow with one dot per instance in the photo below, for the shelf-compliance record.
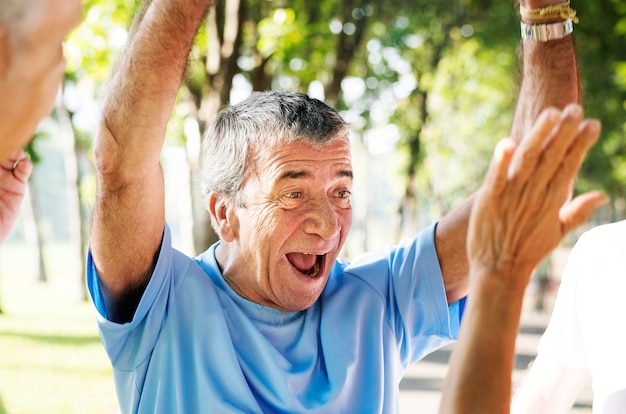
(106, 151)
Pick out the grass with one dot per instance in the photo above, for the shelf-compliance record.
(51, 358)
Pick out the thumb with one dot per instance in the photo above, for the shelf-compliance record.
(577, 211)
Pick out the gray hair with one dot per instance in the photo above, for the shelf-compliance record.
(262, 120)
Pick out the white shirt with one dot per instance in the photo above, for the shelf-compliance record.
(586, 329)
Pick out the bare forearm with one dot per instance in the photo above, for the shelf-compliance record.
(550, 77)
(479, 379)
(450, 242)
(143, 89)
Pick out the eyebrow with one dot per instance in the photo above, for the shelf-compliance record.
(301, 174)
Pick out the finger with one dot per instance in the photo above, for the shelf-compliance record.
(563, 178)
(564, 136)
(529, 150)
(14, 157)
(494, 184)
(588, 134)
(22, 170)
(497, 174)
(534, 183)
(17, 154)
(577, 211)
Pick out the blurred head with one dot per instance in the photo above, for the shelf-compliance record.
(31, 63)
(278, 175)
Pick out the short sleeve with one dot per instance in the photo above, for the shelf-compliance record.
(129, 344)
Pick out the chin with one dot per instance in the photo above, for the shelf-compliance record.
(305, 301)
(300, 302)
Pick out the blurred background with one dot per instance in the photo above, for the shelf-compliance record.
(429, 87)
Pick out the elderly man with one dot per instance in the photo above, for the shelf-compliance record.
(268, 319)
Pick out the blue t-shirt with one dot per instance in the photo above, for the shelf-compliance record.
(194, 345)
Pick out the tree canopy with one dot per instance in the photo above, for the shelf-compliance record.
(432, 84)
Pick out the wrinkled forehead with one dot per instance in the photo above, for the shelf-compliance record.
(273, 167)
(297, 150)
(271, 148)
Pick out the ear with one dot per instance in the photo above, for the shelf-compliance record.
(224, 217)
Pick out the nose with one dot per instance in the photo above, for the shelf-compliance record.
(323, 219)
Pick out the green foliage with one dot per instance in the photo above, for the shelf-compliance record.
(471, 110)
(601, 40)
(444, 73)
(92, 47)
(278, 33)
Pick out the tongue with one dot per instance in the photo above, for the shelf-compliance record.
(302, 262)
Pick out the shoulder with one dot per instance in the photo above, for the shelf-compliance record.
(603, 240)
(615, 230)
(411, 263)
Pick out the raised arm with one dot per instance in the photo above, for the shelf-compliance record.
(520, 214)
(550, 76)
(129, 214)
(550, 79)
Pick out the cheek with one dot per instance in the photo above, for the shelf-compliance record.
(263, 223)
(345, 223)
(268, 218)
(345, 219)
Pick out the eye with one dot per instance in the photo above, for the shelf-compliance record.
(344, 194)
(291, 199)
(342, 198)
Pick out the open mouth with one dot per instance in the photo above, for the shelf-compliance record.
(308, 264)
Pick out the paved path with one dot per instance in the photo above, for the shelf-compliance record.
(420, 390)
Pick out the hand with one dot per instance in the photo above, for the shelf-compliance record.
(523, 210)
(14, 173)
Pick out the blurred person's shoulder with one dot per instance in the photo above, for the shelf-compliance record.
(614, 232)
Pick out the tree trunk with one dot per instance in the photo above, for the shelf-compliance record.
(82, 167)
(32, 226)
(409, 204)
(224, 28)
(75, 215)
(346, 48)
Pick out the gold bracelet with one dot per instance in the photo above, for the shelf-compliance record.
(560, 11)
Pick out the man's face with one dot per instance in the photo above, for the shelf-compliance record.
(294, 221)
(31, 79)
